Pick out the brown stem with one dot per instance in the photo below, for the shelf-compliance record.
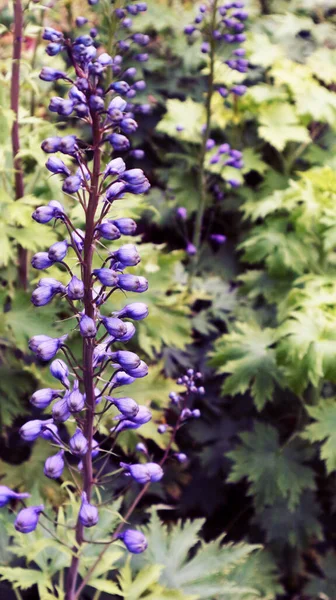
(88, 347)
(15, 93)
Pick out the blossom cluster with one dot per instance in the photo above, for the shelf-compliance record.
(96, 381)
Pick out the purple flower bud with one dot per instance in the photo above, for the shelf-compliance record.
(82, 110)
(162, 428)
(31, 430)
(115, 167)
(88, 514)
(42, 295)
(127, 406)
(121, 378)
(43, 214)
(71, 184)
(191, 249)
(42, 398)
(80, 21)
(57, 166)
(54, 465)
(60, 410)
(115, 327)
(127, 254)
(107, 277)
(142, 57)
(140, 447)
(93, 32)
(49, 74)
(181, 457)
(141, 6)
(47, 350)
(135, 310)
(52, 35)
(77, 239)
(134, 541)
(36, 340)
(108, 230)
(234, 183)
(143, 416)
(143, 473)
(68, 144)
(127, 23)
(96, 103)
(132, 283)
(41, 260)
(205, 47)
(137, 153)
(6, 494)
(78, 443)
(223, 92)
(87, 327)
(58, 251)
(120, 87)
(128, 125)
(140, 371)
(75, 399)
(196, 413)
(60, 371)
(117, 104)
(130, 332)
(239, 90)
(189, 29)
(218, 238)
(115, 191)
(76, 96)
(127, 360)
(118, 141)
(51, 144)
(49, 432)
(126, 226)
(210, 144)
(27, 519)
(53, 49)
(75, 289)
(182, 213)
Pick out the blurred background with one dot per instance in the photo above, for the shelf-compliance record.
(241, 266)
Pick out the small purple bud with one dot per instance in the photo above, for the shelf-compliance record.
(42, 398)
(118, 141)
(140, 371)
(75, 289)
(31, 430)
(137, 153)
(117, 104)
(191, 249)
(43, 214)
(78, 443)
(60, 410)
(132, 283)
(210, 144)
(218, 238)
(75, 399)
(49, 74)
(54, 465)
(58, 251)
(51, 144)
(52, 35)
(47, 350)
(127, 254)
(115, 327)
(96, 103)
(125, 225)
(115, 191)
(27, 519)
(6, 494)
(50, 433)
(71, 184)
(60, 371)
(57, 166)
(205, 47)
(68, 144)
(88, 513)
(87, 327)
(239, 90)
(127, 406)
(162, 428)
(108, 230)
(134, 541)
(127, 360)
(181, 457)
(115, 167)
(80, 21)
(140, 447)
(128, 125)
(77, 239)
(107, 277)
(42, 295)
(135, 310)
(182, 213)
(121, 378)
(129, 333)
(196, 413)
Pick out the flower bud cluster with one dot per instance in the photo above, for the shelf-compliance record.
(223, 24)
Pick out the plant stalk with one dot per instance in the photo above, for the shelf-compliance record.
(88, 346)
(14, 100)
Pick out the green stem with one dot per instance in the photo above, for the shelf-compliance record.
(197, 237)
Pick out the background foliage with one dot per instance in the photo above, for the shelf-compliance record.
(251, 514)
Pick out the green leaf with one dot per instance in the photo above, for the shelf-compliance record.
(248, 356)
(189, 114)
(272, 471)
(323, 587)
(279, 124)
(22, 578)
(324, 430)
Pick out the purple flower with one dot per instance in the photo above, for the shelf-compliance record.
(88, 514)
(27, 519)
(54, 465)
(60, 371)
(87, 326)
(57, 166)
(115, 191)
(42, 295)
(140, 371)
(129, 333)
(181, 457)
(6, 495)
(143, 473)
(108, 230)
(191, 249)
(127, 360)
(41, 260)
(51, 144)
(49, 74)
(136, 310)
(218, 238)
(127, 406)
(115, 327)
(52, 35)
(128, 255)
(132, 283)
(71, 184)
(78, 443)
(126, 226)
(31, 430)
(75, 288)
(77, 239)
(115, 167)
(42, 398)
(75, 399)
(134, 541)
(80, 21)
(46, 350)
(60, 410)
(121, 378)
(119, 142)
(182, 213)
(58, 251)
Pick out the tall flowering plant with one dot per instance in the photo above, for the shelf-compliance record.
(90, 386)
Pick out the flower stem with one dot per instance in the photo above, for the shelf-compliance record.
(15, 93)
(88, 346)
